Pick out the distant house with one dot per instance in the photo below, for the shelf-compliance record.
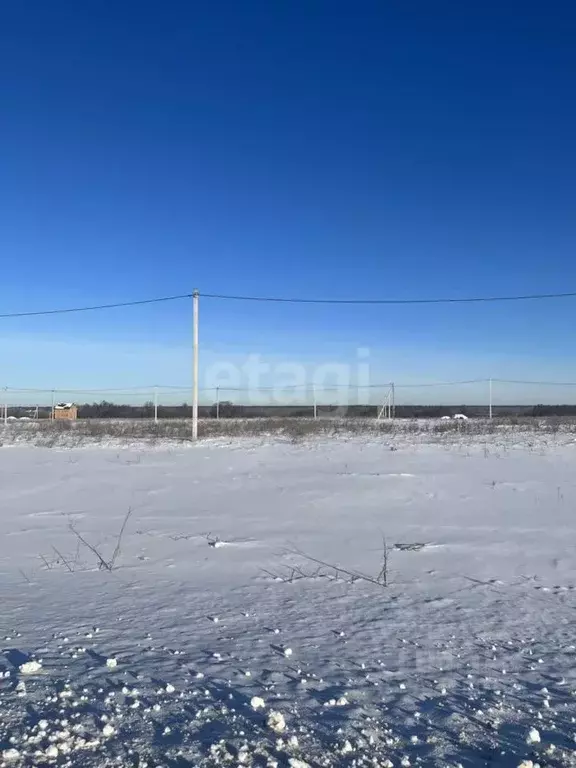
(65, 411)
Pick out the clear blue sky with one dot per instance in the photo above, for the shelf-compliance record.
(319, 149)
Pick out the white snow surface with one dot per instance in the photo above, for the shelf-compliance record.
(234, 553)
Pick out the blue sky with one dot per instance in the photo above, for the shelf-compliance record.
(317, 149)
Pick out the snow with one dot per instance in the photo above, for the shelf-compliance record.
(30, 667)
(108, 730)
(276, 721)
(246, 620)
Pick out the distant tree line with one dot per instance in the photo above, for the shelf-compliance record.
(229, 410)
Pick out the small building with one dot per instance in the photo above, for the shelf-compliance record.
(65, 411)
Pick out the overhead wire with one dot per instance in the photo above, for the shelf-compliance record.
(96, 307)
(291, 300)
(309, 386)
(444, 300)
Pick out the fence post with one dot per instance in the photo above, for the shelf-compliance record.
(195, 369)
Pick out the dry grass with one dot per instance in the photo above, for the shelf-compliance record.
(71, 434)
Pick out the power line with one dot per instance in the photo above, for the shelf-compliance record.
(538, 383)
(283, 300)
(96, 307)
(439, 384)
(466, 300)
(305, 388)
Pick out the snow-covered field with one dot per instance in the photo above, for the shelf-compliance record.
(243, 617)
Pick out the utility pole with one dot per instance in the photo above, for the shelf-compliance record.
(155, 405)
(5, 406)
(195, 369)
(490, 397)
(315, 403)
(217, 403)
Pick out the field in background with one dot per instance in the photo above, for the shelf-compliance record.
(86, 432)
(380, 600)
(229, 410)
